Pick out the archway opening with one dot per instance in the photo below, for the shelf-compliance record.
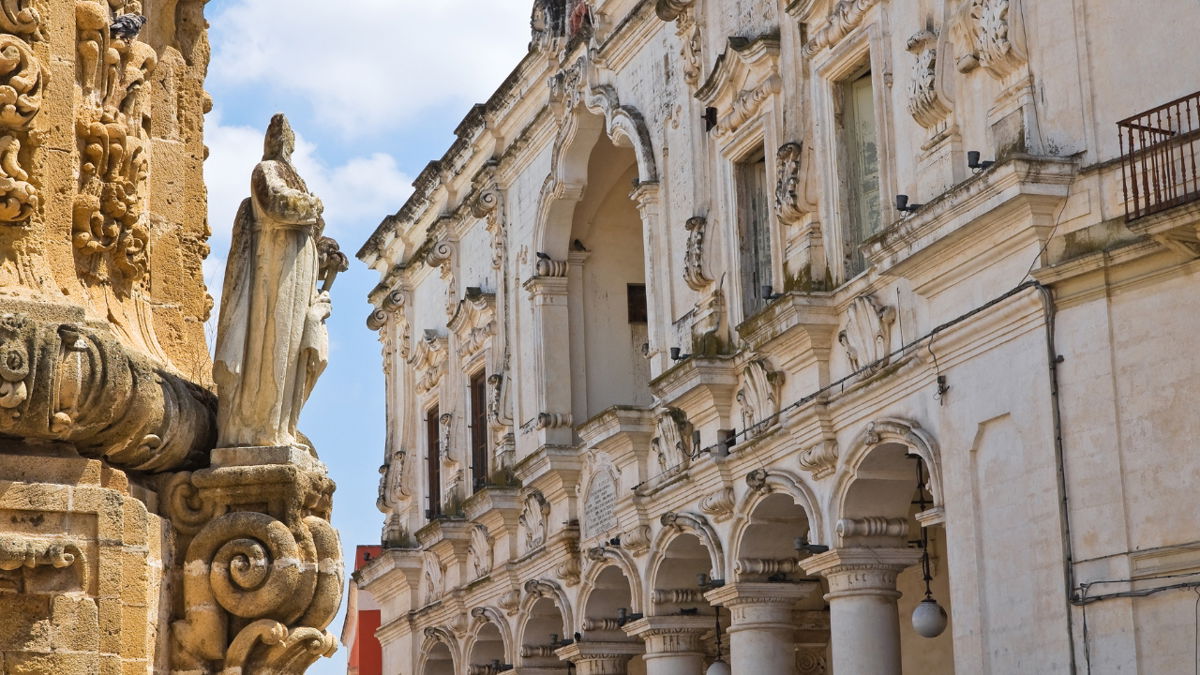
(608, 608)
(543, 633)
(439, 661)
(607, 288)
(488, 649)
(769, 551)
(889, 504)
(684, 574)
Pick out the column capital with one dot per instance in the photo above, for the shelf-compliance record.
(761, 593)
(596, 657)
(671, 634)
(862, 571)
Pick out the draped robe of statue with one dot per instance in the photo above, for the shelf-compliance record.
(272, 343)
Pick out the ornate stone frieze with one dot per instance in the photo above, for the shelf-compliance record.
(672, 441)
(868, 332)
(844, 18)
(758, 396)
(534, 521)
(693, 257)
(22, 78)
(926, 102)
(989, 33)
(60, 381)
(793, 198)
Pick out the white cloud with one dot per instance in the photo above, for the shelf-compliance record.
(357, 193)
(369, 65)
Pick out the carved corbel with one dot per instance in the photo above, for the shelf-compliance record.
(693, 258)
(990, 33)
(927, 102)
(718, 505)
(793, 198)
(868, 332)
(758, 396)
(821, 459)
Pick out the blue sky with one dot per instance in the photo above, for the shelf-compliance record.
(374, 89)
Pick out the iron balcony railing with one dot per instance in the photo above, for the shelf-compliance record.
(1158, 149)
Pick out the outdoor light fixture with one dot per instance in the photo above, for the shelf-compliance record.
(677, 355)
(718, 667)
(615, 541)
(802, 546)
(974, 163)
(768, 293)
(929, 618)
(903, 206)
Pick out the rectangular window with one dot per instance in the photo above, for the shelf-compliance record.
(433, 462)
(754, 233)
(635, 300)
(860, 145)
(479, 436)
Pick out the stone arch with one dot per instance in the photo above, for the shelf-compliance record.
(435, 638)
(626, 126)
(490, 616)
(764, 483)
(675, 524)
(540, 589)
(604, 557)
(865, 461)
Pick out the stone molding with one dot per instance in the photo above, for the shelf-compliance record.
(862, 571)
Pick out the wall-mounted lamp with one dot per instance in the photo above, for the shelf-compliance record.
(677, 355)
(903, 206)
(974, 163)
(802, 546)
(768, 293)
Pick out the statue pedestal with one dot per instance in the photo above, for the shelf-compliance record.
(267, 455)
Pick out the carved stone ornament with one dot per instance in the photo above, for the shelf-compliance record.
(688, 29)
(636, 540)
(989, 33)
(446, 438)
(434, 579)
(499, 407)
(534, 521)
(428, 361)
(868, 334)
(17, 551)
(758, 396)
(719, 504)
(260, 586)
(844, 18)
(821, 459)
(21, 81)
(792, 197)
(693, 257)
(392, 491)
(547, 267)
(672, 441)
(480, 552)
(474, 322)
(926, 103)
(61, 381)
(272, 343)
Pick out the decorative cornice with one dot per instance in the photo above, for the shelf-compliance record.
(845, 17)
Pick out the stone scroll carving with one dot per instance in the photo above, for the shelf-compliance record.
(480, 552)
(690, 36)
(693, 258)
(793, 193)
(22, 77)
(926, 101)
(259, 587)
(844, 18)
(868, 334)
(758, 396)
(534, 521)
(110, 221)
(989, 33)
(61, 381)
(272, 343)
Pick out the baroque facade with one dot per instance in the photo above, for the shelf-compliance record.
(782, 333)
(129, 542)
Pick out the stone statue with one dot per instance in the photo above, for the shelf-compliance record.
(272, 343)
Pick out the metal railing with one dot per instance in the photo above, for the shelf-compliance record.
(1159, 157)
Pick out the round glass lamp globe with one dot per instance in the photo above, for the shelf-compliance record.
(719, 667)
(929, 619)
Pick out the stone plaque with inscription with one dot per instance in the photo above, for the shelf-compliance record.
(600, 505)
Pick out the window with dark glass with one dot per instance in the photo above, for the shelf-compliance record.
(433, 462)
(479, 437)
(754, 233)
(861, 174)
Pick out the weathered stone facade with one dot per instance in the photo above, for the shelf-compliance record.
(127, 543)
(751, 321)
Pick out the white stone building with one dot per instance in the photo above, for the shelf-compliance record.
(662, 348)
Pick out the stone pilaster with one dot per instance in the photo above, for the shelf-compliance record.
(600, 658)
(762, 632)
(862, 604)
(673, 645)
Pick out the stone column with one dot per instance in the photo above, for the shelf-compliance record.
(599, 658)
(862, 606)
(762, 635)
(672, 643)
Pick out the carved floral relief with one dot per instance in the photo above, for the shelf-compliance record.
(22, 77)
